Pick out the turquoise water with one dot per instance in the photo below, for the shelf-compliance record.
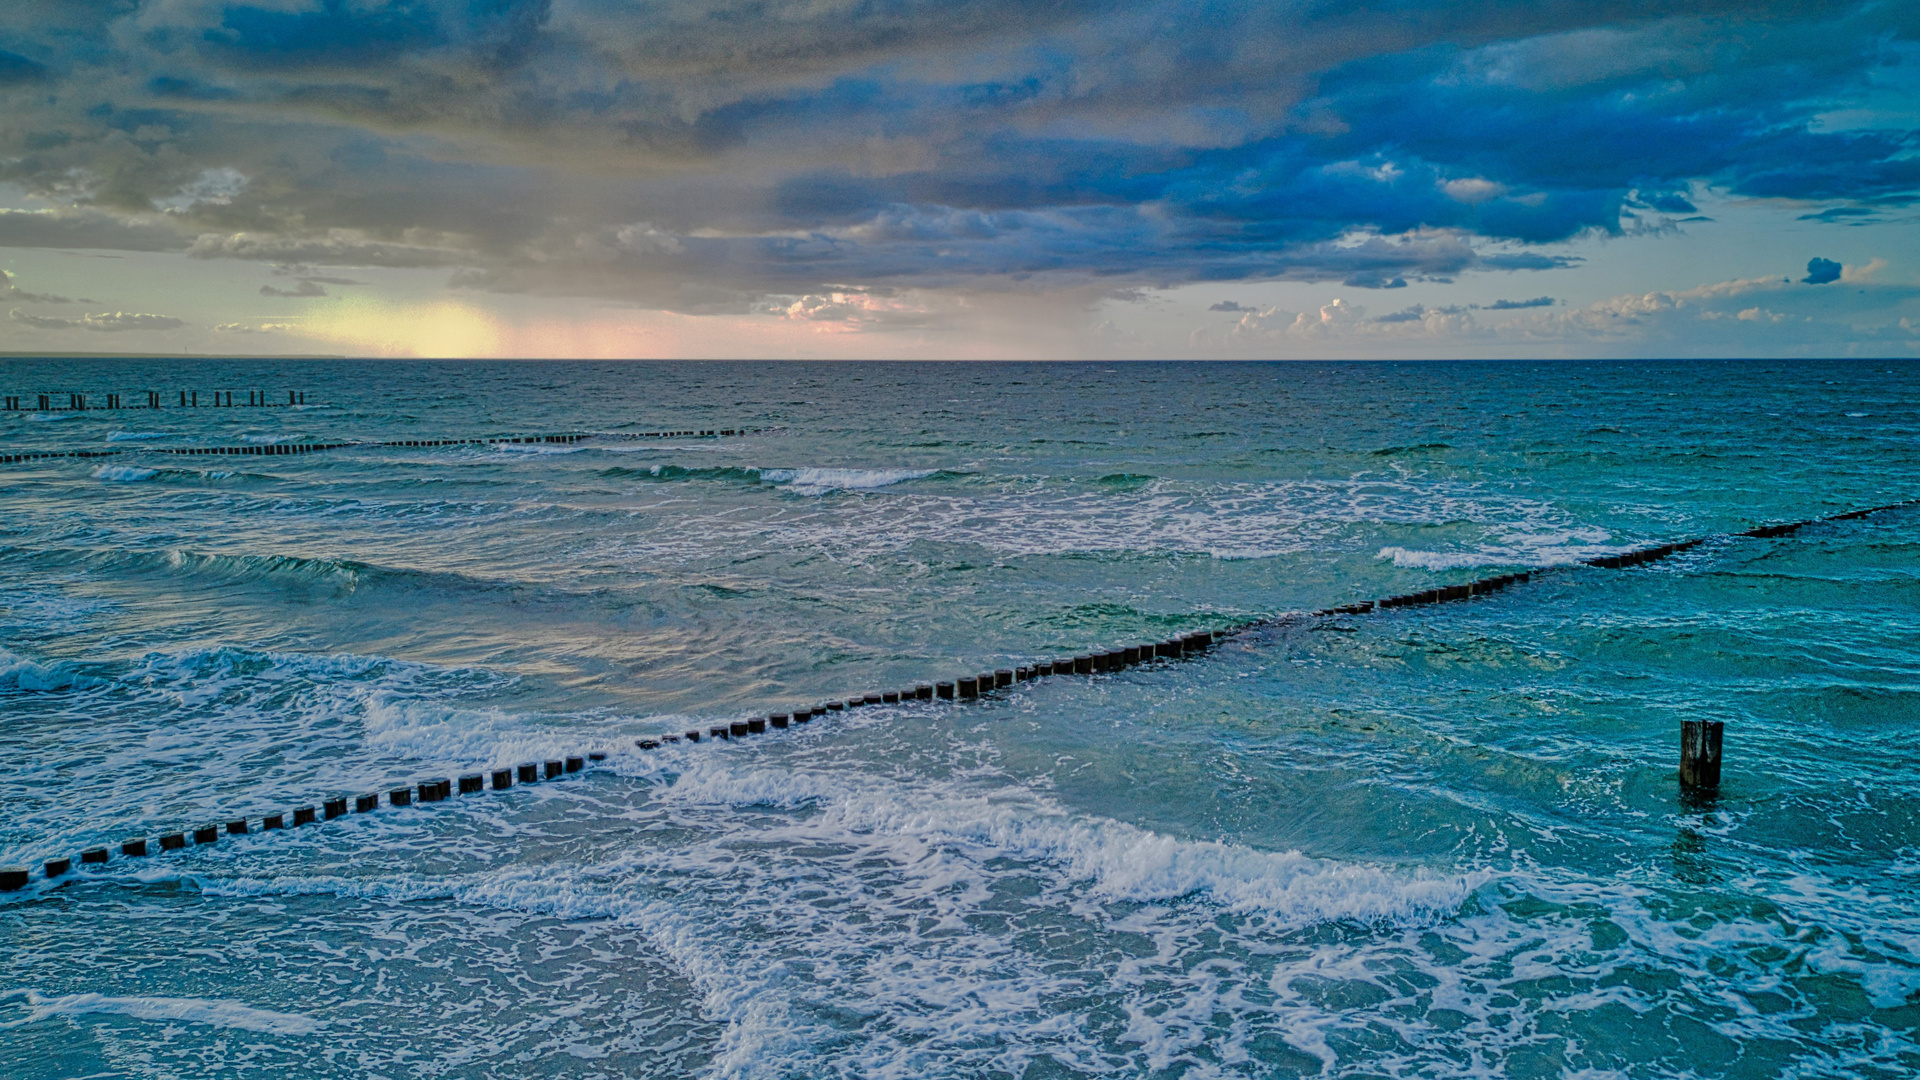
(1429, 842)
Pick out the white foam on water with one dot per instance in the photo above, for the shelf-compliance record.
(124, 474)
(535, 448)
(846, 923)
(131, 436)
(1506, 548)
(45, 606)
(1120, 861)
(823, 481)
(210, 1011)
(449, 734)
(841, 923)
(1017, 516)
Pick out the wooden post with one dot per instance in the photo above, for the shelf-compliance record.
(1700, 754)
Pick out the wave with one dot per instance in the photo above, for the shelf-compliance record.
(400, 724)
(1121, 862)
(800, 481)
(677, 472)
(822, 481)
(19, 673)
(133, 436)
(343, 575)
(133, 474)
(124, 474)
(1555, 548)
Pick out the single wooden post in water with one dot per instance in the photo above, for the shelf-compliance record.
(1700, 754)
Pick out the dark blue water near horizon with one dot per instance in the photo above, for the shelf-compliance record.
(1444, 842)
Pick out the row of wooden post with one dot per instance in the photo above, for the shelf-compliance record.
(13, 878)
(189, 399)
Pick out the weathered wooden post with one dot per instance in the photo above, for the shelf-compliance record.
(1700, 754)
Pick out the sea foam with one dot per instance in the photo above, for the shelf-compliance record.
(214, 1012)
(823, 481)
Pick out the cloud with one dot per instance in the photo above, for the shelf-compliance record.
(16, 70)
(1515, 305)
(719, 155)
(1852, 215)
(850, 311)
(1864, 272)
(305, 287)
(306, 273)
(1375, 279)
(106, 321)
(1418, 313)
(213, 187)
(1768, 315)
(10, 291)
(254, 328)
(84, 228)
(1751, 316)
(338, 247)
(1228, 305)
(1821, 271)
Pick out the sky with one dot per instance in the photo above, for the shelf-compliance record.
(961, 178)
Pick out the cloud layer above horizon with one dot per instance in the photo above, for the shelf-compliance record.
(741, 156)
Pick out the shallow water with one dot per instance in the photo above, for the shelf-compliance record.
(1432, 842)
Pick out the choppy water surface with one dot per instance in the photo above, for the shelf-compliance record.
(1428, 843)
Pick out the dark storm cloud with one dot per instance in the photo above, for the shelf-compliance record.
(84, 228)
(699, 154)
(1822, 272)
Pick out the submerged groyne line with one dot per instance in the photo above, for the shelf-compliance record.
(963, 688)
(286, 448)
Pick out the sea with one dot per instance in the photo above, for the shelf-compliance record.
(1433, 842)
